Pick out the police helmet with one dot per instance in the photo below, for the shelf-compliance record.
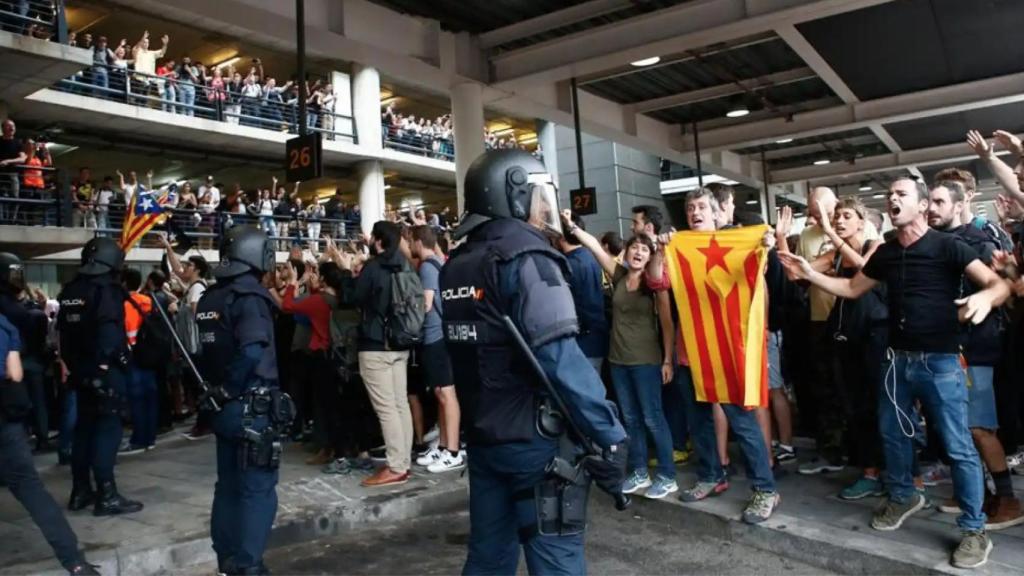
(101, 256)
(12, 272)
(509, 184)
(244, 250)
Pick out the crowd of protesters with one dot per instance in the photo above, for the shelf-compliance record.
(891, 351)
(865, 349)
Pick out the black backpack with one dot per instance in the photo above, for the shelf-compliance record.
(153, 341)
(344, 335)
(406, 308)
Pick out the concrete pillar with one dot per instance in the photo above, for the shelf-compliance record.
(468, 124)
(366, 106)
(343, 122)
(548, 147)
(371, 193)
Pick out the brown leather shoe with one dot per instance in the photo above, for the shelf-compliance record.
(320, 458)
(1003, 512)
(386, 477)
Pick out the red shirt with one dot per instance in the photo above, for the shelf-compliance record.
(317, 310)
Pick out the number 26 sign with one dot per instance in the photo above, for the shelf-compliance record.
(303, 160)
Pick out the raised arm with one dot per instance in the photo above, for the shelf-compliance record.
(1003, 173)
(588, 241)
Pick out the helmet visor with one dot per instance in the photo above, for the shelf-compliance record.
(544, 204)
(16, 276)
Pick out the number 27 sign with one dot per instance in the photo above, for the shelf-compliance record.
(583, 200)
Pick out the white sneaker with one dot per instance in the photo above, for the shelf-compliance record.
(447, 463)
(429, 457)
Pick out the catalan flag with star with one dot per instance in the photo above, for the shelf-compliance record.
(145, 211)
(718, 282)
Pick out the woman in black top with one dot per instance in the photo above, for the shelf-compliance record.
(859, 336)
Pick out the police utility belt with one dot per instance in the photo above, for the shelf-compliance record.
(262, 448)
(561, 498)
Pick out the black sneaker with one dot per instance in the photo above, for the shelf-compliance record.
(784, 453)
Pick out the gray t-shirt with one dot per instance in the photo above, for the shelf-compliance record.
(430, 277)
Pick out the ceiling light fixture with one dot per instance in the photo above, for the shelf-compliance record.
(865, 188)
(751, 202)
(822, 162)
(227, 62)
(738, 111)
(646, 62)
(783, 140)
(878, 196)
(387, 186)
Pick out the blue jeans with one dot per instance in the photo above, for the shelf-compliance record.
(187, 98)
(497, 473)
(168, 98)
(937, 380)
(34, 378)
(68, 417)
(18, 473)
(674, 403)
(144, 409)
(638, 389)
(743, 424)
(100, 79)
(244, 500)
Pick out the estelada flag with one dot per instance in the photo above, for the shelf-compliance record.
(145, 211)
(718, 283)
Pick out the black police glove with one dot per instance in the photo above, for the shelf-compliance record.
(213, 398)
(609, 469)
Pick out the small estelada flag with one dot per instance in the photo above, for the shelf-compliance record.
(719, 288)
(145, 211)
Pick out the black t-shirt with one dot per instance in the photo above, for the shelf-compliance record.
(9, 149)
(923, 280)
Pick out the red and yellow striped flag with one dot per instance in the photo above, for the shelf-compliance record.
(718, 282)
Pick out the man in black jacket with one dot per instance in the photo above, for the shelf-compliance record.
(384, 369)
(981, 347)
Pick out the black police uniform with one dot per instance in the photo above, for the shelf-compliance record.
(507, 267)
(236, 333)
(94, 347)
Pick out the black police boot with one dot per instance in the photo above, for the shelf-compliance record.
(110, 503)
(83, 568)
(82, 496)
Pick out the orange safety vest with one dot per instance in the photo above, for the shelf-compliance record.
(132, 318)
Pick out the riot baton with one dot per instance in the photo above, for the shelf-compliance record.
(206, 395)
(622, 501)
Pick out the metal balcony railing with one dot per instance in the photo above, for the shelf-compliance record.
(43, 19)
(269, 111)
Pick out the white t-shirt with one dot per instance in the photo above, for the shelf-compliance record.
(195, 291)
(214, 193)
(103, 199)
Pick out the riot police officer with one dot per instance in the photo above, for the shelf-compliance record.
(236, 333)
(18, 472)
(94, 349)
(507, 267)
